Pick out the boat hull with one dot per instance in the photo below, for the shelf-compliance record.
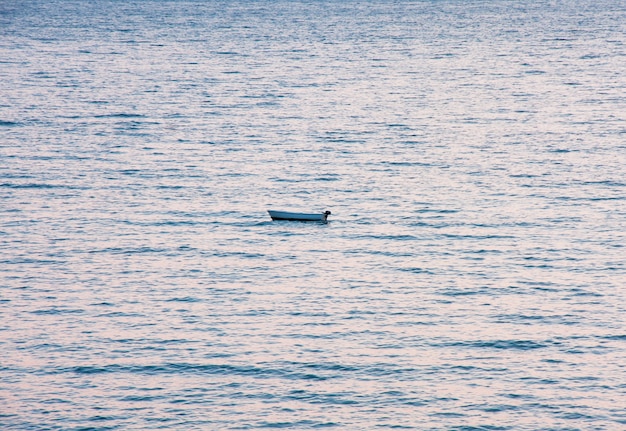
(293, 216)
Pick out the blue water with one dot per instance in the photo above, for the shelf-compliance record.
(472, 275)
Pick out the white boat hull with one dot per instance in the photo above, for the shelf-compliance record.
(286, 215)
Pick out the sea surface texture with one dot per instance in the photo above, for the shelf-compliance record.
(471, 276)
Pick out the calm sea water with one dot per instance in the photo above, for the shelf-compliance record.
(472, 275)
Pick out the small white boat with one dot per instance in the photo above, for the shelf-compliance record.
(285, 215)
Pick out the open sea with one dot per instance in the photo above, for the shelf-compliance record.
(472, 275)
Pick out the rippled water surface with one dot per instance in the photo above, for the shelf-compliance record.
(472, 275)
